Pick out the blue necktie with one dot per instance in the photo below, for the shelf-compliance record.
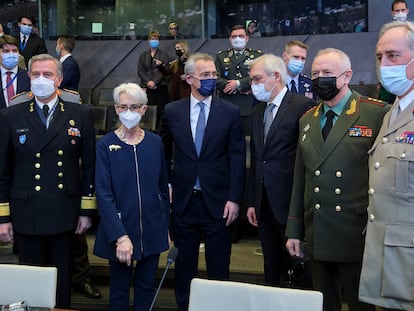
(199, 134)
(201, 125)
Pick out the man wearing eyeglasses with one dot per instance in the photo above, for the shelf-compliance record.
(207, 176)
(173, 31)
(233, 66)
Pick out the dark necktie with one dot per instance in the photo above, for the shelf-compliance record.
(10, 87)
(46, 111)
(293, 86)
(24, 42)
(199, 134)
(268, 119)
(329, 123)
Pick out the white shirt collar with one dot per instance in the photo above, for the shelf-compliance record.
(194, 101)
(278, 99)
(50, 103)
(63, 58)
(406, 100)
(4, 70)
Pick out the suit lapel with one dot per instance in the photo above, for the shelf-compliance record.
(347, 118)
(33, 118)
(58, 121)
(187, 125)
(257, 124)
(212, 123)
(284, 106)
(402, 119)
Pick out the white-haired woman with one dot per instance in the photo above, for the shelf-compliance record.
(132, 196)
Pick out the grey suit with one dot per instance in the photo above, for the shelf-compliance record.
(387, 277)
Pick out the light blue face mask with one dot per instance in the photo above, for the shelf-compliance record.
(295, 66)
(10, 60)
(26, 30)
(154, 44)
(394, 78)
(259, 91)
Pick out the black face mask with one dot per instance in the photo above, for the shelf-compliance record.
(179, 53)
(325, 87)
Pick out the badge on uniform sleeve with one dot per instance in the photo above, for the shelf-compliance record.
(73, 131)
(360, 131)
(22, 139)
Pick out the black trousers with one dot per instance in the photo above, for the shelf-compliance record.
(81, 266)
(189, 229)
(272, 237)
(51, 251)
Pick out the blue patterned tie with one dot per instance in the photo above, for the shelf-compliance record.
(201, 125)
(199, 134)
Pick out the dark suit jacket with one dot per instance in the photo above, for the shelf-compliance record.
(23, 85)
(40, 176)
(330, 188)
(221, 165)
(35, 45)
(272, 163)
(71, 74)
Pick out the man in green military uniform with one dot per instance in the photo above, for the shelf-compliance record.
(330, 187)
(233, 65)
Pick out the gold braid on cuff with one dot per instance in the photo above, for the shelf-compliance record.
(88, 203)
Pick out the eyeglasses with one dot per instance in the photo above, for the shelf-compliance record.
(173, 28)
(207, 75)
(133, 107)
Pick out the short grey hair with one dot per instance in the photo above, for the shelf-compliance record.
(407, 25)
(190, 63)
(44, 57)
(272, 63)
(345, 60)
(133, 90)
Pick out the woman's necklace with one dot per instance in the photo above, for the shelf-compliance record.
(133, 139)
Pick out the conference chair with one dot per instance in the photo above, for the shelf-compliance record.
(36, 285)
(207, 295)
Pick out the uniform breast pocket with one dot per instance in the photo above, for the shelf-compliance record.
(401, 160)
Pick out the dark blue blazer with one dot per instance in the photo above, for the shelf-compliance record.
(71, 74)
(35, 45)
(272, 163)
(305, 87)
(23, 85)
(221, 165)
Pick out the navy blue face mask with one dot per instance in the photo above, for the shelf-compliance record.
(207, 87)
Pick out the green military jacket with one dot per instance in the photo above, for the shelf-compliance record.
(330, 188)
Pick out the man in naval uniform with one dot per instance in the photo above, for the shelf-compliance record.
(47, 154)
(233, 65)
(330, 187)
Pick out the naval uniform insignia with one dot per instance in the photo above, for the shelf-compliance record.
(72, 122)
(73, 131)
(22, 139)
(306, 128)
(406, 137)
(226, 59)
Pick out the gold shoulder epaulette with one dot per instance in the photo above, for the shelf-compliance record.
(21, 98)
(373, 101)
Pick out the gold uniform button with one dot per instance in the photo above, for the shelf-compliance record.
(384, 140)
(371, 217)
(38, 188)
(317, 206)
(403, 155)
(37, 177)
(60, 163)
(60, 174)
(371, 191)
(337, 191)
(60, 186)
(377, 165)
(38, 155)
(60, 152)
(37, 165)
(316, 189)
(338, 208)
(317, 173)
(338, 174)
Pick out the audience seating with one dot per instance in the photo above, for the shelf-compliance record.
(207, 295)
(36, 285)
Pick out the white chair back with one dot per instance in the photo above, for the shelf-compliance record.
(208, 295)
(36, 285)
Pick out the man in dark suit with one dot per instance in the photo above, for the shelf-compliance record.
(207, 176)
(71, 73)
(272, 159)
(330, 188)
(29, 43)
(14, 80)
(47, 154)
(294, 56)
